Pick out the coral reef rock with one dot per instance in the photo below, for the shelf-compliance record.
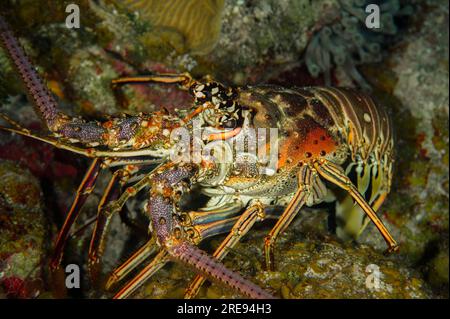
(22, 236)
(310, 263)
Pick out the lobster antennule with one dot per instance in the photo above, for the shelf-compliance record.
(36, 89)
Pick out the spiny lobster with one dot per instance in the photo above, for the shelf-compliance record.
(320, 130)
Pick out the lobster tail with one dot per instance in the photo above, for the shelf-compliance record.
(36, 89)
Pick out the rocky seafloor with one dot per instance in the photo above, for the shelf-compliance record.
(286, 42)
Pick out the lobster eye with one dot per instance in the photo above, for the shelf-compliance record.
(208, 95)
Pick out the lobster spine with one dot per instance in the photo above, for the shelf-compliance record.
(36, 88)
(215, 270)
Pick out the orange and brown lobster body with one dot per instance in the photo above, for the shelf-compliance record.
(325, 136)
(342, 126)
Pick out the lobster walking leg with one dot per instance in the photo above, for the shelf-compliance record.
(85, 188)
(211, 221)
(104, 216)
(376, 205)
(334, 174)
(214, 213)
(242, 226)
(98, 237)
(286, 218)
(213, 228)
(131, 263)
(110, 205)
(156, 264)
